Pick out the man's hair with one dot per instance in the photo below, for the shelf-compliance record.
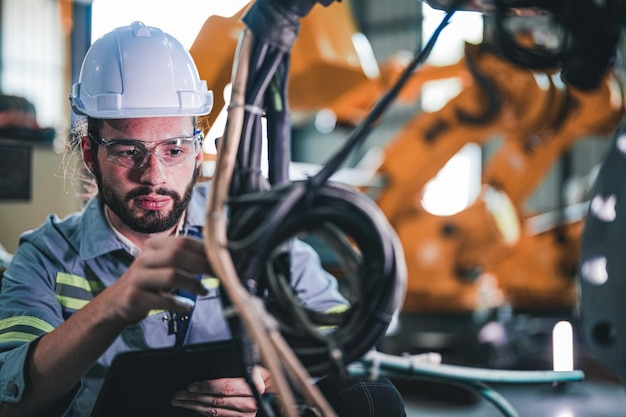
(73, 160)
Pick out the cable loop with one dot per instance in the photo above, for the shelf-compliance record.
(259, 111)
(369, 253)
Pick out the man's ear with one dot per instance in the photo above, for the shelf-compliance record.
(200, 157)
(88, 151)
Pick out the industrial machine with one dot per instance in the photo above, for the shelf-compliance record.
(539, 119)
(478, 258)
(251, 220)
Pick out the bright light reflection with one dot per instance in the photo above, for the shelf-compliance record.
(218, 128)
(181, 19)
(456, 185)
(565, 413)
(450, 48)
(562, 346)
(219, 125)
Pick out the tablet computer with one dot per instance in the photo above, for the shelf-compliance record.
(142, 383)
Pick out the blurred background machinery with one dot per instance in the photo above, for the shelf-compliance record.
(525, 119)
(488, 276)
(487, 281)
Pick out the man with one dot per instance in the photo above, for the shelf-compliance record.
(99, 282)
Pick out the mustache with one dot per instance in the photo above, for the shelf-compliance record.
(141, 191)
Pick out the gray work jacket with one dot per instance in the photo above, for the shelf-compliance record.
(59, 267)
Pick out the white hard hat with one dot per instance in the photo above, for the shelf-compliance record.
(139, 71)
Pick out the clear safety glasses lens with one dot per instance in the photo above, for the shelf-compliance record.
(134, 154)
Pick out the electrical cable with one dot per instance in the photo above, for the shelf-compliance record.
(363, 129)
(474, 379)
(375, 276)
(249, 245)
(265, 217)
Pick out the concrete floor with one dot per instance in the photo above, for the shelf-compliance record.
(580, 399)
(528, 347)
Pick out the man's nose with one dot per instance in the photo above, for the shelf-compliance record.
(153, 170)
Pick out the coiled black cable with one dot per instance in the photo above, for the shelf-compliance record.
(372, 262)
(588, 33)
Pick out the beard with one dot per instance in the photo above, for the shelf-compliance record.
(145, 221)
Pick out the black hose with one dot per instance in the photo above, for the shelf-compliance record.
(374, 274)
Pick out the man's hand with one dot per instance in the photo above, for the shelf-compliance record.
(166, 264)
(228, 397)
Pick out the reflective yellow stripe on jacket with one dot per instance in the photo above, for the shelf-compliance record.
(74, 292)
(22, 329)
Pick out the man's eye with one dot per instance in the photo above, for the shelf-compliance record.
(131, 152)
(126, 151)
(175, 151)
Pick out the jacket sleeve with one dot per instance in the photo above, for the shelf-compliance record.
(28, 310)
(317, 289)
(12, 365)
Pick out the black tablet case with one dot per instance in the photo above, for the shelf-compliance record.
(142, 383)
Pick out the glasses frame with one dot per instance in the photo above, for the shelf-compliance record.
(197, 137)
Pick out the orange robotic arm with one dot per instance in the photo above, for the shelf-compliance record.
(483, 109)
(325, 61)
(538, 120)
(548, 281)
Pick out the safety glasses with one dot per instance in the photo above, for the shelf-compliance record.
(134, 154)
